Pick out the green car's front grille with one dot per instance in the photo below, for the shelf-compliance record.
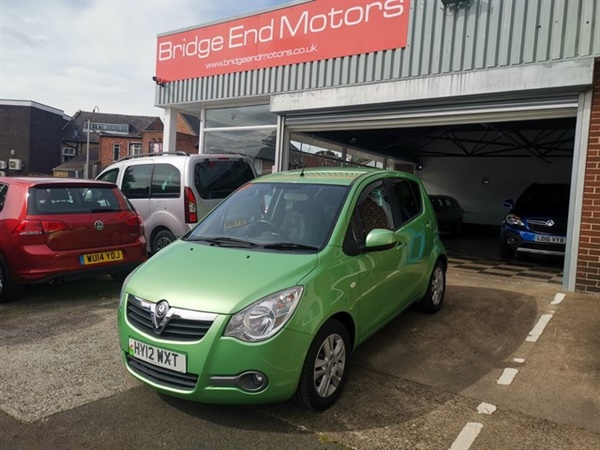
(176, 329)
(164, 377)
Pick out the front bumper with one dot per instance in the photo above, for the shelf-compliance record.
(220, 369)
(525, 242)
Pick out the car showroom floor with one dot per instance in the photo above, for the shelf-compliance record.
(477, 251)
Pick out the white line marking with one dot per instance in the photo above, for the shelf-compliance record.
(467, 436)
(519, 360)
(539, 328)
(507, 376)
(486, 408)
(559, 297)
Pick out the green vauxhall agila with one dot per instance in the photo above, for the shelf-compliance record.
(267, 297)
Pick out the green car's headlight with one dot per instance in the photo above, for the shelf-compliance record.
(264, 318)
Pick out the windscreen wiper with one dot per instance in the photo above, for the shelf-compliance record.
(289, 246)
(223, 241)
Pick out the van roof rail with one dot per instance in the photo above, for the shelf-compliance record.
(143, 155)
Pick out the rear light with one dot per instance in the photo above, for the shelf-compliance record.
(191, 212)
(135, 220)
(39, 227)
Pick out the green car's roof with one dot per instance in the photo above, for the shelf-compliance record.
(344, 176)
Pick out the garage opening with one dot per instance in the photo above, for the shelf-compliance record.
(483, 161)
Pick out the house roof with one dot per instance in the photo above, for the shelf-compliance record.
(74, 130)
(193, 122)
(78, 162)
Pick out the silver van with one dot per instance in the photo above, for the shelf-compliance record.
(173, 191)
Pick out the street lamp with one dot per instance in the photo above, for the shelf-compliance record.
(86, 169)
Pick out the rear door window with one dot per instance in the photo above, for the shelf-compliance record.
(408, 199)
(216, 179)
(166, 181)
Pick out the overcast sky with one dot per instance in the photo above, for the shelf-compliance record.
(77, 54)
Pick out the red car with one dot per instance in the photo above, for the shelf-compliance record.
(59, 229)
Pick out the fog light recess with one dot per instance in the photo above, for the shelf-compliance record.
(252, 381)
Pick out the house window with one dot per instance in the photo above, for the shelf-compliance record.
(155, 147)
(135, 149)
(67, 154)
(116, 151)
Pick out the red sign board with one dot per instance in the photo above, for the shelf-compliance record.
(312, 31)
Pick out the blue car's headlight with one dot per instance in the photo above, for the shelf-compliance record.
(513, 220)
(264, 318)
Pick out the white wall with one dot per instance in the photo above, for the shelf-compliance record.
(463, 178)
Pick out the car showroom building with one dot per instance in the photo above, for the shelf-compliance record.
(479, 98)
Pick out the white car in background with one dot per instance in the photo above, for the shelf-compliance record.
(173, 191)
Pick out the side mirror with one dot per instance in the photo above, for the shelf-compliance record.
(509, 203)
(380, 239)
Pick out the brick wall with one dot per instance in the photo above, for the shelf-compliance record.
(588, 264)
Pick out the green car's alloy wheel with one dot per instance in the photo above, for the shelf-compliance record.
(325, 369)
(432, 301)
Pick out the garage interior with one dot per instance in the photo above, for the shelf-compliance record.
(481, 164)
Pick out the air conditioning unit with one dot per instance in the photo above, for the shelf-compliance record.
(15, 164)
(2, 165)
(2, 173)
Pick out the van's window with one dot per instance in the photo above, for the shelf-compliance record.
(216, 179)
(166, 181)
(136, 181)
(110, 176)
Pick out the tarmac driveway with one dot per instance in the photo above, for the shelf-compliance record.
(505, 364)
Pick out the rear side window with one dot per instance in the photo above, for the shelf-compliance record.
(136, 181)
(216, 179)
(74, 199)
(166, 181)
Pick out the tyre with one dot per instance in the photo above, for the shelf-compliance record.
(8, 290)
(434, 297)
(161, 240)
(325, 368)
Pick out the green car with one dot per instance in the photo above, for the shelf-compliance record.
(267, 297)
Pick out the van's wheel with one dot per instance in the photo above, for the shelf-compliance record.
(325, 368)
(161, 240)
(434, 297)
(8, 290)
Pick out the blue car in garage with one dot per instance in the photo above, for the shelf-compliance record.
(537, 222)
